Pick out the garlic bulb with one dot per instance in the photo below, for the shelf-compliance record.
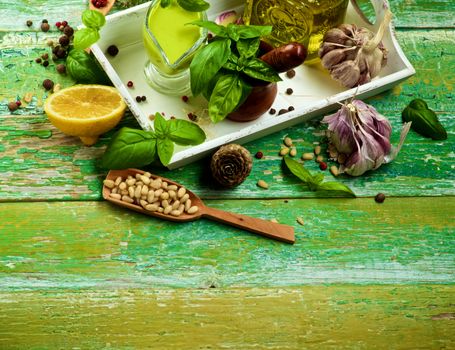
(354, 55)
(360, 138)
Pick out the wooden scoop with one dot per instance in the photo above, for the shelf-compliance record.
(104, 10)
(261, 227)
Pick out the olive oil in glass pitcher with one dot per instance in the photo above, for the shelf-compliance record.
(304, 21)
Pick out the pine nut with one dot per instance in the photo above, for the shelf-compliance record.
(124, 192)
(168, 209)
(193, 209)
(155, 184)
(184, 198)
(175, 213)
(334, 170)
(288, 141)
(181, 208)
(130, 182)
(274, 220)
(150, 196)
(147, 174)
(109, 183)
(181, 192)
(164, 203)
(114, 190)
(138, 177)
(137, 192)
(172, 187)
(317, 150)
(164, 195)
(300, 220)
(284, 151)
(307, 156)
(172, 194)
(176, 204)
(117, 181)
(131, 191)
(319, 159)
(152, 207)
(145, 179)
(115, 195)
(158, 192)
(293, 152)
(122, 186)
(127, 199)
(263, 184)
(143, 203)
(187, 205)
(145, 190)
(164, 185)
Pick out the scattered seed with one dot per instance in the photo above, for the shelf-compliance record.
(290, 108)
(127, 199)
(38, 60)
(45, 27)
(319, 159)
(61, 52)
(57, 87)
(112, 50)
(64, 40)
(380, 197)
(130, 84)
(293, 152)
(138, 99)
(284, 151)
(192, 117)
(323, 165)
(29, 23)
(272, 111)
(307, 156)
(45, 63)
(334, 170)
(28, 97)
(18, 103)
(282, 111)
(185, 98)
(115, 195)
(263, 184)
(68, 31)
(44, 21)
(58, 24)
(288, 141)
(12, 106)
(143, 98)
(50, 42)
(64, 23)
(45, 56)
(259, 155)
(274, 221)
(192, 210)
(289, 91)
(317, 150)
(290, 73)
(61, 68)
(300, 220)
(48, 84)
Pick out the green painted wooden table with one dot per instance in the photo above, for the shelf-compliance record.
(79, 273)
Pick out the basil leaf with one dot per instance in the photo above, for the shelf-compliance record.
(230, 90)
(232, 63)
(129, 148)
(424, 120)
(194, 5)
(258, 69)
(249, 31)
(207, 62)
(232, 31)
(248, 47)
(165, 3)
(165, 149)
(84, 69)
(183, 132)
(161, 126)
(335, 187)
(93, 19)
(312, 181)
(85, 37)
(216, 29)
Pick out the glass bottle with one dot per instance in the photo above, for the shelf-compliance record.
(304, 21)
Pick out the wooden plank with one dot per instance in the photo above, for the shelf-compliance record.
(411, 13)
(308, 317)
(98, 245)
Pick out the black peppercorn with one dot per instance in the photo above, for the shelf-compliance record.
(61, 68)
(272, 111)
(143, 98)
(48, 84)
(29, 23)
(45, 56)
(44, 21)
(55, 49)
(291, 108)
(379, 198)
(45, 63)
(282, 111)
(61, 53)
(112, 50)
(290, 73)
(68, 31)
(45, 27)
(38, 60)
(64, 40)
(289, 91)
(138, 99)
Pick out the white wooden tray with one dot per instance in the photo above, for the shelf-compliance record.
(315, 92)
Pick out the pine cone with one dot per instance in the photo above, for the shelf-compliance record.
(231, 165)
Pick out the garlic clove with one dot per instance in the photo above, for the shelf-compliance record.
(347, 73)
(336, 35)
(332, 58)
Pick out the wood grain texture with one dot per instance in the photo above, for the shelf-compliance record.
(307, 317)
(96, 244)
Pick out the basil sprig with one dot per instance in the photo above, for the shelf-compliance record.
(315, 182)
(85, 37)
(188, 5)
(223, 69)
(424, 120)
(130, 148)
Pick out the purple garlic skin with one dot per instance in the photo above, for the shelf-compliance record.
(354, 55)
(361, 136)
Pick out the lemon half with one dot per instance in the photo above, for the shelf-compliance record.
(86, 111)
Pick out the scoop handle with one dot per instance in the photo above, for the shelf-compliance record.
(283, 233)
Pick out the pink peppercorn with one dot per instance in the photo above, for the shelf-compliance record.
(58, 24)
(322, 165)
(259, 155)
(130, 84)
(18, 103)
(185, 98)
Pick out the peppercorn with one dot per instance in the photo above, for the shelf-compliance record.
(29, 23)
(44, 21)
(61, 28)
(45, 63)
(272, 111)
(143, 98)
(138, 99)
(64, 23)
(38, 60)
(64, 40)
(48, 84)
(12, 106)
(130, 84)
(112, 50)
(322, 165)
(291, 108)
(289, 91)
(61, 53)
(18, 103)
(45, 56)
(282, 111)
(45, 27)
(54, 57)
(192, 117)
(379, 198)
(61, 68)
(290, 73)
(55, 49)
(68, 31)
(58, 24)
(259, 155)
(50, 42)
(185, 98)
